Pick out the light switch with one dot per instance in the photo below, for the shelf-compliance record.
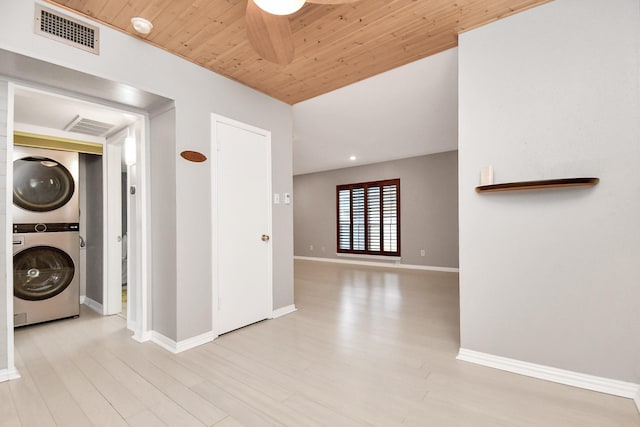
(276, 199)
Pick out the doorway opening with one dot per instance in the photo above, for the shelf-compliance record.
(38, 75)
(98, 133)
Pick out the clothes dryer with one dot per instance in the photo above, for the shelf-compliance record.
(45, 186)
(46, 279)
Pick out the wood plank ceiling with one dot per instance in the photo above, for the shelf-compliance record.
(335, 45)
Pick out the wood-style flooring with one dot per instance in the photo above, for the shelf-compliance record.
(367, 347)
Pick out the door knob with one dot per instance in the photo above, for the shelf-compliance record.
(265, 237)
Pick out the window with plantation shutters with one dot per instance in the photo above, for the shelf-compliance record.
(368, 216)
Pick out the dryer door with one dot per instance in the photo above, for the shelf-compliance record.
(41, 272)
(41, 184)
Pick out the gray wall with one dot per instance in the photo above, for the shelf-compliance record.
(429, 207)
(197, 93)
(94, 222)
(552, 276)
(164, 294)
(4, 220)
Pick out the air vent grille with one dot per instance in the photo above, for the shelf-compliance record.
(56, 26)
(88, 126)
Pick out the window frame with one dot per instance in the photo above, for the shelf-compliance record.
(365, 186)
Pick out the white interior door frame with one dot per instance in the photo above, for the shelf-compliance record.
(216, 120)
(112, 238)
(142, 246)
(138, 309)
(143, 306)
(11, 371)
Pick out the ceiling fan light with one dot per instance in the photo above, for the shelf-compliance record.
(279, 7)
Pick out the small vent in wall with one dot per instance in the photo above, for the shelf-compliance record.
(88, 127)
(65, 29)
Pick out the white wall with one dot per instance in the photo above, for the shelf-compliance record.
(197, 93)
(552, 276)
(406, 112)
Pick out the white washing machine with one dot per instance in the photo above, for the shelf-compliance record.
(45, 186)
(46, 279)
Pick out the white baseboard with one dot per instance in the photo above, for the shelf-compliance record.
(180, 346)
(575, 379)
(283, 311)
(93, 305)
(9, 374)
(82, 298)
(379, 264)
(141, 338)
(132, 326)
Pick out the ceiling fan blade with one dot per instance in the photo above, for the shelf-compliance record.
(331, 1)
(270, 35)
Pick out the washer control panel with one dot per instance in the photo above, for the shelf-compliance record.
(46, 227)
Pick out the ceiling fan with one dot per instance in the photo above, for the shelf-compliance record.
(268, 28)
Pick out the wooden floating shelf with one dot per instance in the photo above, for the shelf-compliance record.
(538, 185)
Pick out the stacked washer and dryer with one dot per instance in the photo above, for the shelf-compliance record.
(46, 240)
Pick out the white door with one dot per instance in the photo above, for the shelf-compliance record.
(112, 299)
(242, 224)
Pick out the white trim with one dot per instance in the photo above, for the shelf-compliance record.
(397, 259)
(112, 225)
(637, 399)
(131, 325)
(180, 346)
(283, 311)
(82, 299)
(575, 379)
(164, 342)
(8, 270)
(380, 264)
(93, 305)
(143, 244)
(142, 337)
(9, 374)
(138, 307)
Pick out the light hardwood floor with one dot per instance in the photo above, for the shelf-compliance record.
(367, 346)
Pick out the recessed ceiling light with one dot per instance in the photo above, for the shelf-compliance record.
(141, 25)
(352, 158)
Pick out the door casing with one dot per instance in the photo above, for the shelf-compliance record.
(140, 309)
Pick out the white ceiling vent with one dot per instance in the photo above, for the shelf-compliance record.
(56, 26)
(88, 127)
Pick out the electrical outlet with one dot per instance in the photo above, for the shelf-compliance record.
(422, 252)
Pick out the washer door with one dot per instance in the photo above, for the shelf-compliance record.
(41, 184)
(41, 272)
